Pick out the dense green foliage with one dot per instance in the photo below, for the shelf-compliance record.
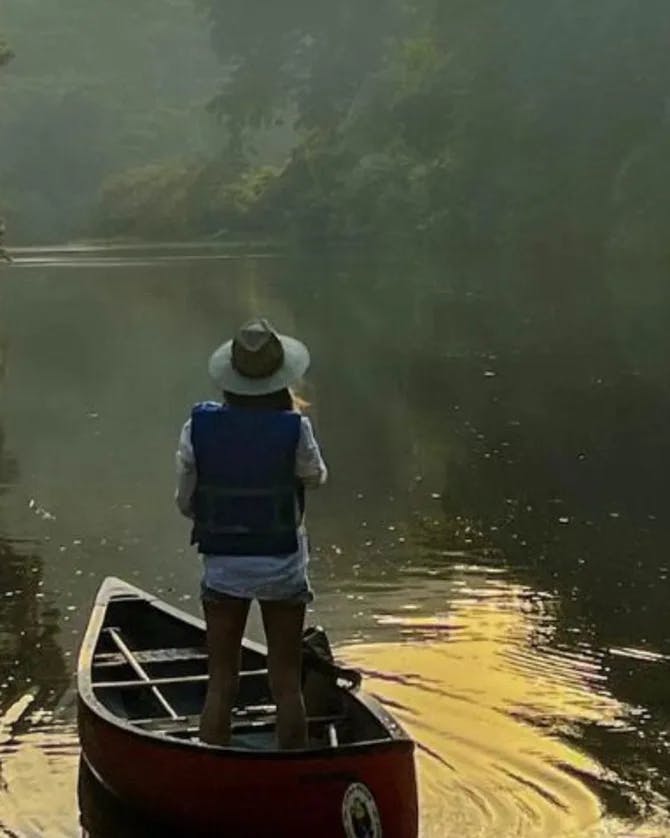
(94, 88)
(5, 53)
(6, 56)
(480, 122)
(489, 120)
(182, 199)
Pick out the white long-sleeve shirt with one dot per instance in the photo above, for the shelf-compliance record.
(256, 577)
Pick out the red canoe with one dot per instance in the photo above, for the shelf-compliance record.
(142, 679)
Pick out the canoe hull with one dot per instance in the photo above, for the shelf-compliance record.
(214, 791)
(141, 682)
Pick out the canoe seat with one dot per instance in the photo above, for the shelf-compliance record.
(170, 682)
(187, 725)
(249, 710)
(185, 653)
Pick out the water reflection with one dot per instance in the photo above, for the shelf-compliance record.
(503, 718)
(35, 779)
(493, 538)
(39, 755)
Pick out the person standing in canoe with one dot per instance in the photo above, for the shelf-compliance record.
(243, 466)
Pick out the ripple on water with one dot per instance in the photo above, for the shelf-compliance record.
(494, 702)
(38, 759)
(488, 702)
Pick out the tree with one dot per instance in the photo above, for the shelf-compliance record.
(307, 57)
(96, 88)
(6, 54)
(494, 120)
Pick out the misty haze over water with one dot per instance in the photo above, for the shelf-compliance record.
(461, 211)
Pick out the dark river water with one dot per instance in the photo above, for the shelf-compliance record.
(492, 549)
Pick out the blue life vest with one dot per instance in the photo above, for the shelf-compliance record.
(247, 493)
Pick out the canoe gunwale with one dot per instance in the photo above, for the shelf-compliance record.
(111, 588)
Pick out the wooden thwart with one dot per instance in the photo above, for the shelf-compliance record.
(128, 655)
(167, 682)
(190, 724)
(245, 712)
(183, 653)
(245, 719)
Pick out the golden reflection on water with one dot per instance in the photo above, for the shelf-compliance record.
(492, 699)
(38, 781)
(487, 703)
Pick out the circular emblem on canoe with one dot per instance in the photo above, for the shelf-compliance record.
(360, 813)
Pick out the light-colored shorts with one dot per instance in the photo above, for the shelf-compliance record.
(214, 597)
(273, 578)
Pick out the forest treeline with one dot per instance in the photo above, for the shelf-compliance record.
(487, 121)
(95, 88)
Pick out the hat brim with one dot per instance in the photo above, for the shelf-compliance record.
(226, 377)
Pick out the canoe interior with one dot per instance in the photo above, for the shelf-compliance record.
(148, 668)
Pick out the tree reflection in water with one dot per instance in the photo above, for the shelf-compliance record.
(35, 752)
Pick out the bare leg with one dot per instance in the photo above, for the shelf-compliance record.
(225, 626)
(283, 628)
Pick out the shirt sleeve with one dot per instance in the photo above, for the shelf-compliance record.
(309, 463)
(186, 472)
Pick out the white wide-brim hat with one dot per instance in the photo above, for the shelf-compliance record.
(258, 360)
